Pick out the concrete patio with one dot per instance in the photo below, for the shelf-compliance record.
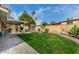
(11, 44)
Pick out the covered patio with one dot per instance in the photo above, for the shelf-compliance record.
(8, 25)
(16, 26)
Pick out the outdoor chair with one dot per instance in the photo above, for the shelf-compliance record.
(0, 33)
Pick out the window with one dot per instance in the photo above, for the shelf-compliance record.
(26, 24)
(69, 22)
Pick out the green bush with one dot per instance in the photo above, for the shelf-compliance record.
(74, 31)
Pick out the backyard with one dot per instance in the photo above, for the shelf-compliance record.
(50, 43)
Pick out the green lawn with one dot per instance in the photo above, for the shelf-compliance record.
(49, 43)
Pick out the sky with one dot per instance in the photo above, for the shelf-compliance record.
(45, 12)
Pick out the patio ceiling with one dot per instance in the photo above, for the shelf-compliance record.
(15, 22)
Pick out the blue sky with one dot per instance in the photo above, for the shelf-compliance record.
(46, 12)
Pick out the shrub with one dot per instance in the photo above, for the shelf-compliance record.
(46, 30)
(74, 31)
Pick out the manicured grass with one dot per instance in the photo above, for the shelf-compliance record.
(49, 43)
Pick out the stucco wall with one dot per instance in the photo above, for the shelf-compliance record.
(61, 28)
(54, 28)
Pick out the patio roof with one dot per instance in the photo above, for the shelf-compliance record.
(3, 8)
(70, 20)
(57, 23)
(16, 22)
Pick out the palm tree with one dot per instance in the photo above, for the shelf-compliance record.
(34, 15)
(35, 18)
(52, 22)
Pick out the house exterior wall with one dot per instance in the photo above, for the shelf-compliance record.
(15, 26)
(69, 26)
(76, 22)
(37, 28)
(3, 19)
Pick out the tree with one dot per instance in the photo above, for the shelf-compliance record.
(52, 22)
(44, 23)
(26, 17)
(34, 15)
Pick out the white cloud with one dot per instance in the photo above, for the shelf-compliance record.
(39, 11)
(19, 14)
(39, 21)
(73, 11)
(67, 10)
(14, 15)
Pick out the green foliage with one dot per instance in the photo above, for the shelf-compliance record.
(34, 12)
(44, 23)
(74, 30)
(52, 22)
(34, 15)
(26, 17)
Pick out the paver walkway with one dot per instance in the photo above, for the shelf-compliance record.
(12, 44)
(72, 38)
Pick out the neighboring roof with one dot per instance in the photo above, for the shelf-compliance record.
(70, 20)
(57, 23)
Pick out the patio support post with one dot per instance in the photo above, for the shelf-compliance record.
(24, 27)
(0, 26)
(18, 28)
